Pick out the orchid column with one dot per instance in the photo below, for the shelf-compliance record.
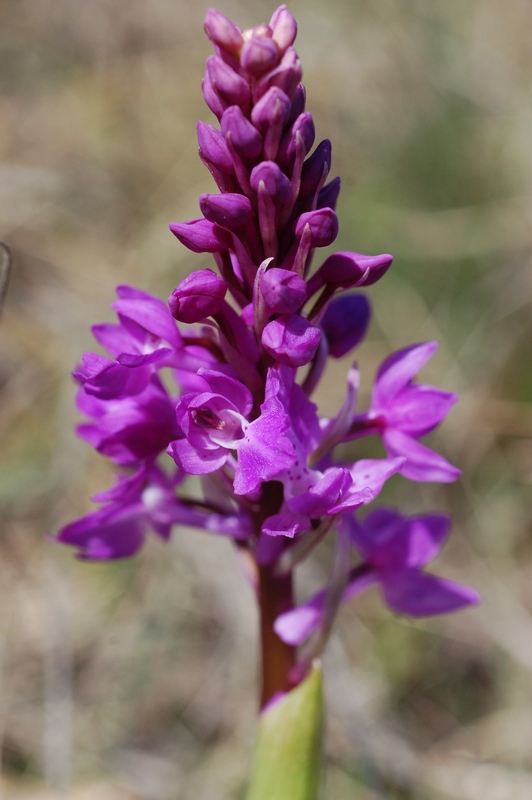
(250, 348)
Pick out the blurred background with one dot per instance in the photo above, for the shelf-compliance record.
(138, 679)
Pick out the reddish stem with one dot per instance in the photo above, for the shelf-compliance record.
(275, 596)
(278, 658)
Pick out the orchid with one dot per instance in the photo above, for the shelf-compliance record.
(245, 348)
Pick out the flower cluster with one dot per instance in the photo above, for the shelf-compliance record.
(251, 345)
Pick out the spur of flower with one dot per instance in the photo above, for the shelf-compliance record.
(244, 348)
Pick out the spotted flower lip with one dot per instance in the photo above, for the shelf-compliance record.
(218, 382)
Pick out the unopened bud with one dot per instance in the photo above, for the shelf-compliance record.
(201, 236)
(275, 181)
(291, 340)
(259, 55)
(345, 323)
(245, 138)
(222, 32)
(227, 210)
(284, 28)
(233, 89)
(323, 224)
(283, 291)
(197, 297)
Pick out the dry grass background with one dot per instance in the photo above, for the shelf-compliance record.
(137, 680)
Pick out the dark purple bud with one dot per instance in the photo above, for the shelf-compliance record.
(286, 76)
(345, 323)
(323, 225)
(298, 103)
(344, 270)
(328, 196)
(304, 125)
(283, 291)
(291, 340)
(233, 89)
(213, 148)
(284, 28)
(222, 31)
(259, 54)
(277, 184)
(197, 297)
(201, 236)
(272, 108)
(227, 210)
(246, 139)
(315, 169)
(211, 98)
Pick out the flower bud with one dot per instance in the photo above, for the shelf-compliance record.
(198, 296)
(277, 184)
(213, 148)
(283, 291)
(201, 236)
(298, 103)
(291, 340)
(323, 225)
(227, 210)
(270, 116)
(246, 139)
(272, 108)
(222, 32)
(344, 270)
(284, 28)
(230, 87)
(304, 125)
(286, 76)
(345, 323)
(314, 167)
(328, 196)
(213, 100)
(259, 55)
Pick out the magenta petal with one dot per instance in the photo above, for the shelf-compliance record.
(422, 463)
(115, 338)
(195, 461)
(105, 535)
(371, 473)
(286, 524)
(417, 410)
(327, 493)
(153, 315)
(425, 538)
(398, 370)
(133, 361)
(294, 626)
(235, 391)
(263, 452)
(421, 595)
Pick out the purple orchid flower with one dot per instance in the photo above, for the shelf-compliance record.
(130, 430)
(394, 549)
(213, 423)
(251, 347)
(402, 412)
(137, 504)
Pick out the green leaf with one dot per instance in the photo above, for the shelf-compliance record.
(287, 758)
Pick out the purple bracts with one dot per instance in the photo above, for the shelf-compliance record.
(217, 384)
